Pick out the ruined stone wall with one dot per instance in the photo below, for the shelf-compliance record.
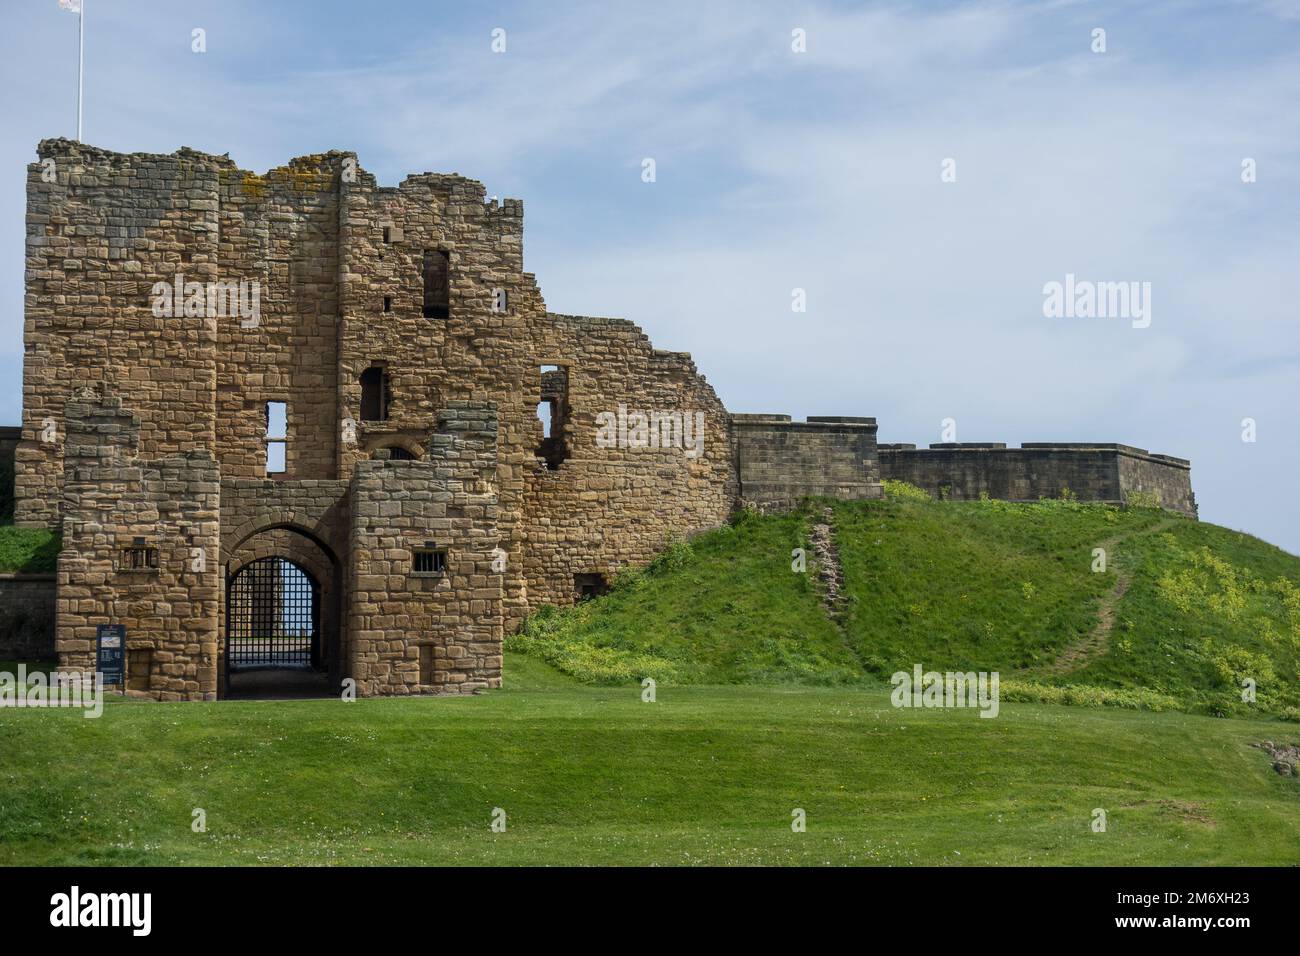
(1091, 472)
(115, 500)
(780, 461)
(600, 507)
(282, 229)
(102, 228)
(411, 631)
(606, 507)
(27, 617)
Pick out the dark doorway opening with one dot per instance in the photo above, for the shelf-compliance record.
(588, 586)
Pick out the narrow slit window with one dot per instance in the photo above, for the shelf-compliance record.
(426, 664)
(388, 234)
(388, 303)
(375, 394)
(277, 437)
(437, 284)
(553, 412)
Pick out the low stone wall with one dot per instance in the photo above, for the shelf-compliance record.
(1089, 471)
(27, 617)
(780, 461)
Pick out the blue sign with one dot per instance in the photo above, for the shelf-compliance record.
(110, 652)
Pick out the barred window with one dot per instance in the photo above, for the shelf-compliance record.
(429, 561)
(139, 559)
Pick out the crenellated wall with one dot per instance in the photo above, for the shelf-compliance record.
(780, 461)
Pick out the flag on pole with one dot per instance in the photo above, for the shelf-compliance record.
(74, 6)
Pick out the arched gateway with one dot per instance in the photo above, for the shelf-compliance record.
(273, 617)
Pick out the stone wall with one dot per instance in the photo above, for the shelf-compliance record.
(780, 461)
(27, 617)
(114, 502)
(413, 631)
(1091, 472)
(102, 228)
(340, 265)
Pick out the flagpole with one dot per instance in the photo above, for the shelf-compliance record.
(81, 59)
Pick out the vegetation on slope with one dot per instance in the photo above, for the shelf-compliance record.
(1183, 613)
(27, 549)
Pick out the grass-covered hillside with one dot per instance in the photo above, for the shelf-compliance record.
(1183, 613)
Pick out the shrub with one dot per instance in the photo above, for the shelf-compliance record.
(1083, 695)
(905, 491)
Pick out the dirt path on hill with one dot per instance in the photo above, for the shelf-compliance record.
(1097, 643)
(830, 575)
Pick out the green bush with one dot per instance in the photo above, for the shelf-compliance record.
(1082, 695)
(31, 550)
(905, 491)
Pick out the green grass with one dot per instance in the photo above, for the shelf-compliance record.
(28, 549)
(988, 585)
(593, 775)
(725, 609)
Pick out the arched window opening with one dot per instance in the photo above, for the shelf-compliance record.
(395, 453)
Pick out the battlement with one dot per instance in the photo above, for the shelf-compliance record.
(780, 461)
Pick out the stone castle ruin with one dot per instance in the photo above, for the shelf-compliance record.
(303, 421)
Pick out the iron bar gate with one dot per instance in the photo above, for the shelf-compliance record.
(272, 616)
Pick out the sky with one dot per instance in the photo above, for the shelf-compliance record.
(775, 170)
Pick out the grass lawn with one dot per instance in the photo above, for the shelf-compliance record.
(591, 774)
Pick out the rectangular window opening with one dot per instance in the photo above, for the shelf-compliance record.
(553, 412)
(139, 559)
(589, 585)
(277, 435)
(388, 303)
(429, 561)
(376, 394)
(437, 284)
(426, 663)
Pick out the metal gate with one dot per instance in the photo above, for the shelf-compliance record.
(272, 616)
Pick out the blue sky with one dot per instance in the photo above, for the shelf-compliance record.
(778, 170)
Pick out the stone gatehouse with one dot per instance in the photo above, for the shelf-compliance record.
(302, 420)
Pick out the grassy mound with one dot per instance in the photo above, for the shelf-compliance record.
(1183, 614)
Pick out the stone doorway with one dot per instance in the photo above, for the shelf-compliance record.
(274, 640)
